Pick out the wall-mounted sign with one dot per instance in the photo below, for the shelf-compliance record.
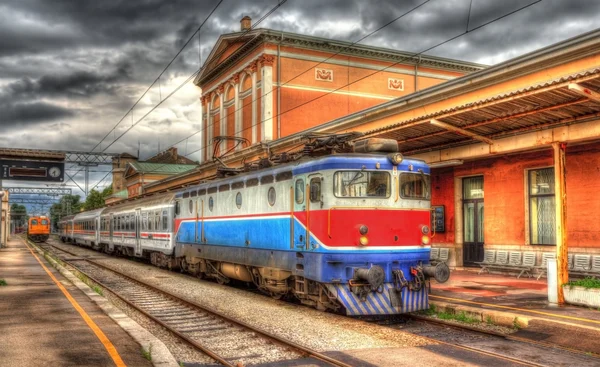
(396, 84)
(438, 218)
(23, 170)
(325, 75)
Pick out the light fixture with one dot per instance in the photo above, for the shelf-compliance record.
(448, 163)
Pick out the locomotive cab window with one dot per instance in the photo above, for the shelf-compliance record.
(414, 185)
(44, 222)
(315, 190)
(299, 191)
(34, 222)
(360, 184)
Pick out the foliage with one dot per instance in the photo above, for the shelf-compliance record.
(586, 283)
(147, 353)
(19, 214)
(3, 282)
(68, 205)
(95, 199)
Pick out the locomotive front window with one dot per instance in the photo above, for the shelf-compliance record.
(44, 222)
(359, 184)
(34, 222)
(414, 185)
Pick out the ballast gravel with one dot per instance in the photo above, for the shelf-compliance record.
(308, 327)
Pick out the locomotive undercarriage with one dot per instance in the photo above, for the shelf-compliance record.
(276, 283)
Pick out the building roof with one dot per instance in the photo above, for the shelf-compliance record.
(252, 39)
(170, 156)
(161, 168)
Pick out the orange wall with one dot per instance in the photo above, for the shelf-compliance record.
(505, 198)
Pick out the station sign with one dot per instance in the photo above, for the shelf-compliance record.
(27, 170)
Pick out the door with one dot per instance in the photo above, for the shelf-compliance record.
(314, 201)
(138, 237)
(299, 213)
(473, 220)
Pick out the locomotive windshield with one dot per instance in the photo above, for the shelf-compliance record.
(358, 184)
(414, 186)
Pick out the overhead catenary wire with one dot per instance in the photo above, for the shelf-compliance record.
(159, 75)
(192, 76)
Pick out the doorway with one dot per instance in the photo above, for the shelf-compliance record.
(473, 220)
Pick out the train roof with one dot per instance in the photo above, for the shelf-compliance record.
(90, 214)
(311, 164)
(148, 202)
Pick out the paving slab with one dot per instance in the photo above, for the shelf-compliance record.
(40, 327)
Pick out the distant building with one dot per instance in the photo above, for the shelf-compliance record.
(257, 85)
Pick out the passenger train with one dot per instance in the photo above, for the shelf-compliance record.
(347, 232)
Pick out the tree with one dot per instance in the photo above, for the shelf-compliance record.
(95, 199)
(18, 213)
(68, 205)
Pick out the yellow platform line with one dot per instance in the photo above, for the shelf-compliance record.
(518, 309)
(110, 348)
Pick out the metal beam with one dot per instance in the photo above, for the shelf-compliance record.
(586, 92)
(40, 201)
(80, 158)
(460, 131)
(38, 190)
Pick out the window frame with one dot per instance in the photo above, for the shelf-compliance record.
(530, 196)
(271, 190)
(412, 197)
(303, 187)
(390, 184)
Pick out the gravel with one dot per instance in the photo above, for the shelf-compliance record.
(303, 325)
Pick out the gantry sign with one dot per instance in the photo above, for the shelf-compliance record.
(27, 165)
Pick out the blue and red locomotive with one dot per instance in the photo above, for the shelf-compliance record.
(346, 232)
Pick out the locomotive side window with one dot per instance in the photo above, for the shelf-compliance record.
(299, 191)
(211, 203)
(414, 185)
(177, 207)
(238, 200)
(271, 196)
(191, 206)
(157, 221)
(359, 184)
(315, 190)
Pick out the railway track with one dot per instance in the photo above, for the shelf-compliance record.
(152, 302)
(227, 341)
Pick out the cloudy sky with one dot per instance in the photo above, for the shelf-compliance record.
(70, 70)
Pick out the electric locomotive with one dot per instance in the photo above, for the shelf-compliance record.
(38, 229)
(347, 232)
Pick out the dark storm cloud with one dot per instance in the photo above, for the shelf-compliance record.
(97, 57)
(25, 114)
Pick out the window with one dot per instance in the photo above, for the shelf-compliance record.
(44, 222)
(212, 190)
(282, 176)
(358, 184)
(315, 190)
(237, 185)
(186, 195)
(177, 207)
(157, 221)
(238, 200)
(271, 195)
(34, 222)
(542, 204)
(252, 182)
(144, 221)
(191, 206)
(266, 179)
(414, 185)
(193, 194)
(165, 221)
(299, 191)
(224, 187)
(211, 204)
(202, 192)
(150, 222)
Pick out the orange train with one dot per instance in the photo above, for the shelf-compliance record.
(38, 229)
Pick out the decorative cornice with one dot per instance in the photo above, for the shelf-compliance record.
(266, 60)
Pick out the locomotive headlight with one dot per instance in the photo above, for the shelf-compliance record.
(425, 240)
(363, 240)
(395, 158)
(425, 229)
(363, 230)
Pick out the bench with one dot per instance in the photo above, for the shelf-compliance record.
(543, 268)
(439, 255)
(503, 260)
(585, 265)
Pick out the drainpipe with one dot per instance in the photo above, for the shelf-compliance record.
(279, 87)
(417, 74)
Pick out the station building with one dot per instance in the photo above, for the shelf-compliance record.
(260, 85)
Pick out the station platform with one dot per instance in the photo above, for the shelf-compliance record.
(519, 303)
(46, 321)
